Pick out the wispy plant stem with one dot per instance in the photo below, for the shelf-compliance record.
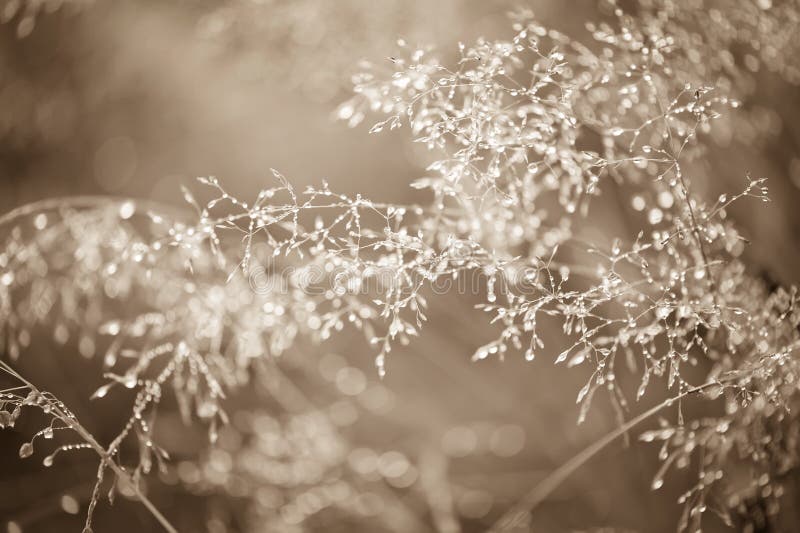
(105, 457)
(542, 491)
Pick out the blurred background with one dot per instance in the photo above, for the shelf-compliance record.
(134, 98)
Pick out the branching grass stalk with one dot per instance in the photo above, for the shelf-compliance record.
(105, 457)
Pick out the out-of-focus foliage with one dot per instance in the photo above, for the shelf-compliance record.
(23, 13)
(311, 45)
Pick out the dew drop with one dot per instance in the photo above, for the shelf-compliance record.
(86, 346)
(655, 216)
(26, 450)
(40, 222)
(101, 392)
(665, 199)
(345, 112)
(69, 504)
(127, 210)
(663, 311)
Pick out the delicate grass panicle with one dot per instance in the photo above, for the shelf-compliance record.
(524, 135)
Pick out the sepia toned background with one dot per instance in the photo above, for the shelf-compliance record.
(135, 98)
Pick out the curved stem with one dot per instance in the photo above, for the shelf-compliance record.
(540, 492)
(122, 474)
(105, 458)
(78, 202)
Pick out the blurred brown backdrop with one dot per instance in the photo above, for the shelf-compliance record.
(134, 98)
